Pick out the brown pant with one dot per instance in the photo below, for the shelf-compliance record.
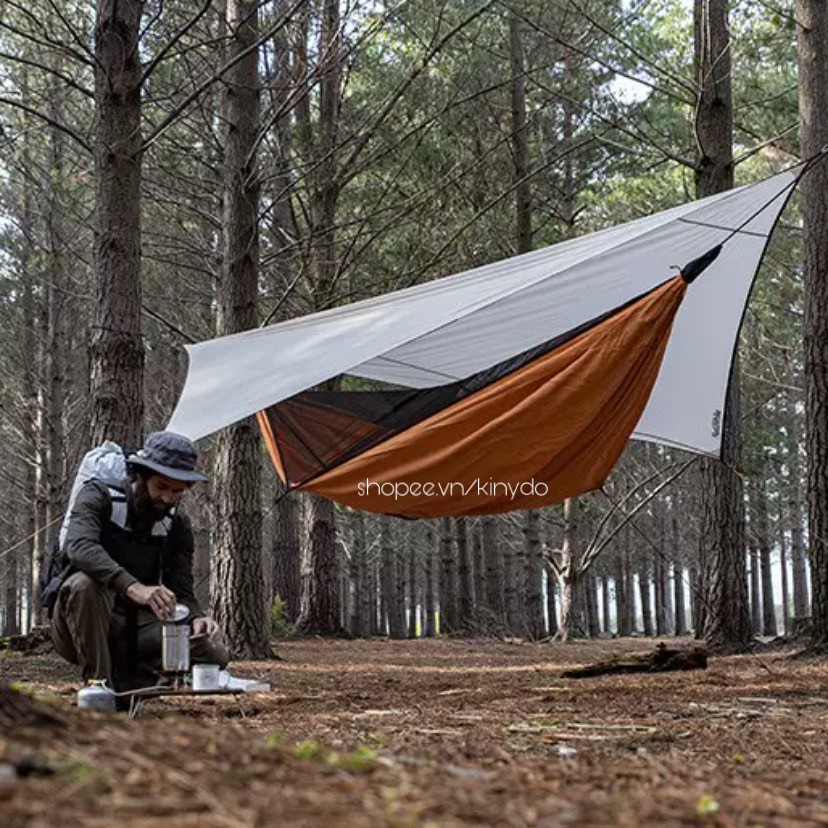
(88, 629)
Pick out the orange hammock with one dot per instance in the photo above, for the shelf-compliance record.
(552, 428)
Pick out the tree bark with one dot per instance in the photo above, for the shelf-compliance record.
(764, 543)
(606, 623)
(320, 150)
(520, 138)
(320, 614)
(430, 629)
(660, 597)
(621, 598)
(551, 604)
(396, 564)
(412, 585)
(465, 575)
(783, 562)
(448, 579)
(726, 620)
(493, 556)
(678, 571)
(795, 508)
(573, 611)
(812, 37)
(361, 625)
(629, 583)
(644, 580)
(695, 599)
(31, 383)
(591, 600)
(61, 267)
(755, 591)
(535, 626)
(117, 352)
(678, 600)
(286, 553)
(238, 584)
(479, 566)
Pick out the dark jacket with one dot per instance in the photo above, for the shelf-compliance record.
(119, 557)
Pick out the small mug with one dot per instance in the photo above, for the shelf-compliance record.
(207, 677)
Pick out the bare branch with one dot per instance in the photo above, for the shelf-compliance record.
(204, 86)
(71, 133)
(162, 53)
(48, 69)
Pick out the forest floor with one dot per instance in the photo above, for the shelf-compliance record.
(437, 733)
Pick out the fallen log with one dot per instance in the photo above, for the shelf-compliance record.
(662, 659)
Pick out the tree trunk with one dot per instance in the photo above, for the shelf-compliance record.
(551, 602)
(364, 594)
(61, 268)
(695, 599)
(201, 553)
(591, 599)
(320, 152)
(755, 591)
(116, 352)
(320, 614)
(465, 575)
(412, 585)
(373, 594)
(400, 582)
(629, 584)
(573, 612)
(382, 609)
(448, 579)
(678, 570)
(606, 623)
(388, 576)
(764, 543)
(520, 138)
(478, 560)
(31, 381)
(238, 586)
(286, 553)
(795, 509)
(430, 629)
(646, 600)
(12, 603)
(783, 561)
(660, 597)
(726, 621)
(678, 600)
(812, 36)
(237, 576)
(535, 626)
(621, 598)
(493, 556)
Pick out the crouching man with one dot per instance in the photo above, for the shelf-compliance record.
(129, 552)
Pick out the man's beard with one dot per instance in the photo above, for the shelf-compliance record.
(145, 509)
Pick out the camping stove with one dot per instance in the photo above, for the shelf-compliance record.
(175, 646)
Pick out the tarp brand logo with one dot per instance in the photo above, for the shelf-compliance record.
(717, 422)
(487, 488)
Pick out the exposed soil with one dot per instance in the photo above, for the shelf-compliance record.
(442, 733)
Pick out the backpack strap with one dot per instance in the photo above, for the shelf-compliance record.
(118, 515)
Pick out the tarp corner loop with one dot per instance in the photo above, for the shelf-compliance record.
(692, 270)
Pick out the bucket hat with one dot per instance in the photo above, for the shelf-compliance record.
(170, 454)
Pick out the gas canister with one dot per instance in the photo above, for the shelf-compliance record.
(96, 696)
